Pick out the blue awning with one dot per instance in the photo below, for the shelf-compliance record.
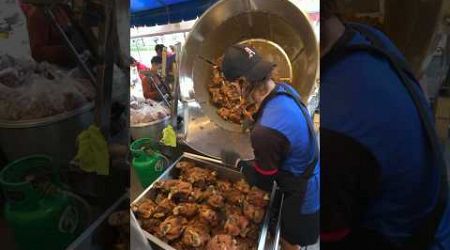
(149, 13)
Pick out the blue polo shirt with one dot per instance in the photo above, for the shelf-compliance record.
(282, 114)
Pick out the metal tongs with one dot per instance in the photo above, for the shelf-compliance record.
(207, 60)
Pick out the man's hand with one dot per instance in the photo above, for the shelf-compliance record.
(230, 158)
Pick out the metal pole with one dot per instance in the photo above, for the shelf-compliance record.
(176, 87)
(159, 91)
(105, 72)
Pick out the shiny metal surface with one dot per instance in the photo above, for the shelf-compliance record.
(149, 130)
(54, 136)
(215, 165)
(85, 239)
(274, 53)
(278, 226)
(278, 27)
(207, 137)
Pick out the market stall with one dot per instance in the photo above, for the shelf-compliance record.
(286, 36)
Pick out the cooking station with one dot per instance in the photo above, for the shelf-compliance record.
(284, 35)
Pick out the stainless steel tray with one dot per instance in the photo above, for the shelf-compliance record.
(99, 227)
(216, 165)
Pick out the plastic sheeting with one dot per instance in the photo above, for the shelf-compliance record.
(141, 5)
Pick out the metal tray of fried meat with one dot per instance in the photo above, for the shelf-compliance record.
(171, 173)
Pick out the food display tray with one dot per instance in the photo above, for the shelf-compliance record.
(223, 172)
(99, 234)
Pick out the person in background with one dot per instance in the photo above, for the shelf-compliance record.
(46, 43)
(172, 49)
(170, 57)
(284, 145)
(153, 78)
(156, 65)
(383, 180)
(140, 66)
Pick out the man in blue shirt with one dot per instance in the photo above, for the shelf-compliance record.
(382, 182)
(284, 144)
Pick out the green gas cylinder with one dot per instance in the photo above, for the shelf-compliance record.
(147, 162)
(40, 215)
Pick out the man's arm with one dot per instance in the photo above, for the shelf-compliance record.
(349, 178)
(270, 149)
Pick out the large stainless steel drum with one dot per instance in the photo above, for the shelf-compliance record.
(278, 29)
(54, 136)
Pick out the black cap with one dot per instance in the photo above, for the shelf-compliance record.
(240, 60)
(156, 59)
(159, 47)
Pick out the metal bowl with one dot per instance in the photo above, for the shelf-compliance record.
(279, 29)
(54, 136)
(151, 130)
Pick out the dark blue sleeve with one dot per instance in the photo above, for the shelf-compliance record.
(349, 178)
(270, 149)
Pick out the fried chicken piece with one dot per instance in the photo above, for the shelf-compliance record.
(217, 230)
(196, 234)
(222, 242)
(172, 227)
(178, 244)
(216, 96)
(198, 195)
(186, 209)
(232, 209)
(232, 112)
(199, 177)
(150, 225)
(235, 116)
(217, 78)
(181, 191)
(208, 215)
(216, 201)
(165, 185)
(223, 185)
(184, 166)
(232, 92)
(227, 96)
(252, 231)
(234, 196)
(249, 110)
(224, 113)
(236, 224)
(258, 197)
(160, 197)
(177, 189)
(242, 186)
(252, 212)
(246, 244)
(144, 209)
(164, 208)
